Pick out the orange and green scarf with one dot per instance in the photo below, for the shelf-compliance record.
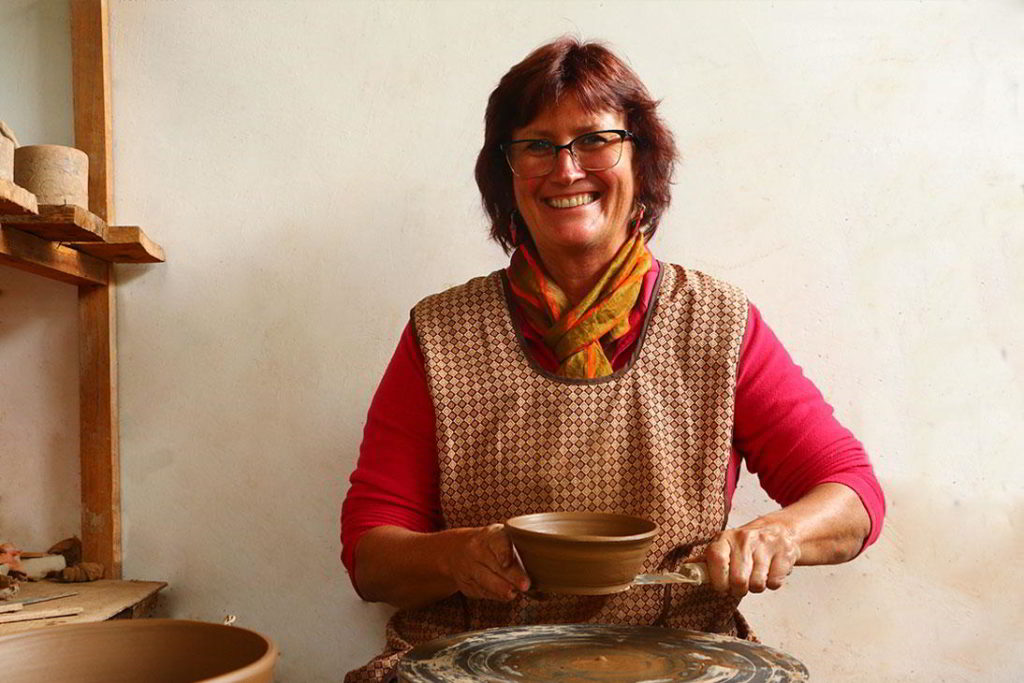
(574, 334)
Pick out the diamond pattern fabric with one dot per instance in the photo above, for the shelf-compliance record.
(652, 439)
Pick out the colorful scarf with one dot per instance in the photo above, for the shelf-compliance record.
(574, 334)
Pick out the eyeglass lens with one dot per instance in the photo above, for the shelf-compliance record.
(592, 152)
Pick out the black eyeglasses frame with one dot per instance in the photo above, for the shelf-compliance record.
(626, 135)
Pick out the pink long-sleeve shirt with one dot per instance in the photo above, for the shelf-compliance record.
(784, 431)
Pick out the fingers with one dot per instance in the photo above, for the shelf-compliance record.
(752, 558)
(762, 562)
(778, 572)
(487, 567)
(717, 557)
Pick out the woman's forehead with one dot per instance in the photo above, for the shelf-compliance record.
(569, 118)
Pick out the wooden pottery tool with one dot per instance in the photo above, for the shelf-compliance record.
(30, 615)
(692, 573)
(32, 601)
(596, 653)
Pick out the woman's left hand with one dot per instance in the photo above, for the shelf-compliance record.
(752, 557)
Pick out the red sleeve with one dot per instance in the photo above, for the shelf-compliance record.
(396, 479)
(786, 432)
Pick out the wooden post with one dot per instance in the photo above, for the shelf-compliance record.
(97, 311)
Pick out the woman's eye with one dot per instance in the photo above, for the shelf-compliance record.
(538, 147)
(593, 140)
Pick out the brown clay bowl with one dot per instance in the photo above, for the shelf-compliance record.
(581, 553)
(138, 650)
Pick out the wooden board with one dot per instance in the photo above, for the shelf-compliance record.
(16, 200)
(125, 244)
(33, 254)
(98, 436)
(597, 652)
(99, 600)
(97, 310)
(63, 222)
(90, 68)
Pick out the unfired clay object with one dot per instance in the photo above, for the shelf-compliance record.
(53, 173)
(581, 553)
(38, 567)
(152, 650)
(7, 144)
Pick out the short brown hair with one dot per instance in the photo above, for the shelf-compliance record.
(601, 82)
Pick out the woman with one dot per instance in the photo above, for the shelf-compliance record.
(588, 376)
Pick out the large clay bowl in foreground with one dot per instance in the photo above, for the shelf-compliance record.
(138, 650)
(581, 553)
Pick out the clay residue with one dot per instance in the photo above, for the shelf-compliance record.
(594, 653)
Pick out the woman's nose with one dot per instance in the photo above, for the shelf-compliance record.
(566, 169)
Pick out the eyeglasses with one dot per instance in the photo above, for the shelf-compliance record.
(596, 151)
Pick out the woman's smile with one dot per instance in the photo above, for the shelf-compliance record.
(571, 201)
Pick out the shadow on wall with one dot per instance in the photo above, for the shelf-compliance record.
(946, 581)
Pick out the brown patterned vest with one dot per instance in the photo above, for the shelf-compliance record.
(651, 440)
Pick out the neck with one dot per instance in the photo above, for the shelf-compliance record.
(576, 273)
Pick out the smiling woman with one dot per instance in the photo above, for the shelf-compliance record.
(588, 376)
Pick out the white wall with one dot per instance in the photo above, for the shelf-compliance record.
(39, 471)
(855, 166)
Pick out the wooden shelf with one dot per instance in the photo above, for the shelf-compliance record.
(27, 252)
(16, 201)
(100, 600)
(124, 244)
(64, 223)
(77, 245)
(67, 243)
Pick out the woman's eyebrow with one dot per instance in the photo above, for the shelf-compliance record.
(531, 134)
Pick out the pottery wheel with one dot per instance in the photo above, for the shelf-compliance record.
(582, 653)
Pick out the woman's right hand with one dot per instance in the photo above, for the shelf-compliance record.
(484, 565)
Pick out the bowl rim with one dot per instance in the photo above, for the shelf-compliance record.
(515, 525)
(112, 626)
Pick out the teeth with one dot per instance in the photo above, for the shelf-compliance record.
(569, 202)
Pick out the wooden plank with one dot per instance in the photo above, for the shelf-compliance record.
(32, 615)
(101, 470)
(16, 200)
(100, 600)
(30, 253)
(125, 244)
(90, 61)
(63, 222)
(101, 477)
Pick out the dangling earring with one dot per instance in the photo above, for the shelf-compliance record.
(512, 228)
(640, 215)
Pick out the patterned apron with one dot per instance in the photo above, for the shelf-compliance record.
(651, 440)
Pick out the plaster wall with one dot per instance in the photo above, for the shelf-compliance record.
(39, 470)
(854, 166)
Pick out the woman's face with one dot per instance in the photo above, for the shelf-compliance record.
(570, 210)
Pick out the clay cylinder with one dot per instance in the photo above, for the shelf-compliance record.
(6, 158)
(53, 173)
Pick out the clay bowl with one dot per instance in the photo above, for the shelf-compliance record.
(581, 553)
(138, 650)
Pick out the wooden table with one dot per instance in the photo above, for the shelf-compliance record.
(100, 600)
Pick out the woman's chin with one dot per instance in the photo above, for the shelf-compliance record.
(580, 237)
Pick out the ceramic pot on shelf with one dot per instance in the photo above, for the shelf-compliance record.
(55, 174)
